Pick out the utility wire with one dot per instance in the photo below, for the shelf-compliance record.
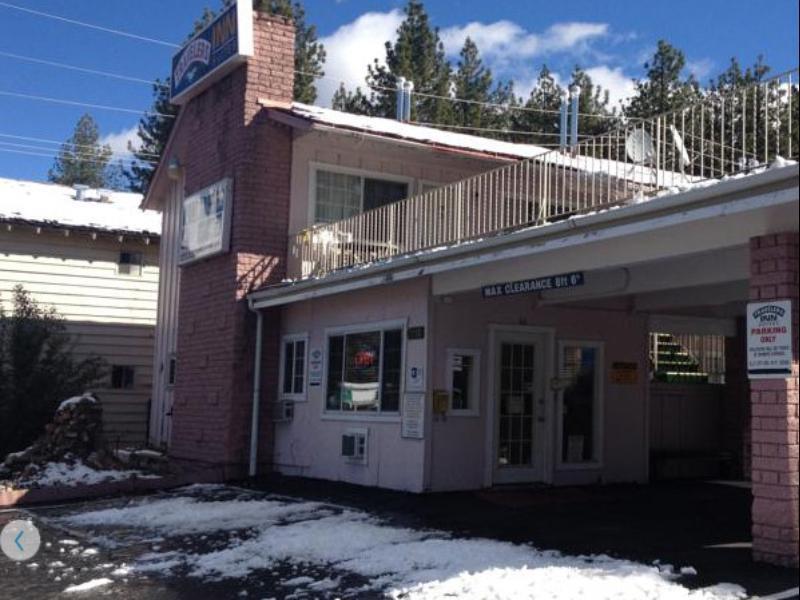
(134, 36)
(299, 72)
(54, 152)
(60, 65)
(61, 143)
(85, 104)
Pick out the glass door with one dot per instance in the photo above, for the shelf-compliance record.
(519, 408)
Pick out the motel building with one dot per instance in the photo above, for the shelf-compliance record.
(365, 300)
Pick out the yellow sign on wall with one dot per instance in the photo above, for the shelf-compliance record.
(624, 373)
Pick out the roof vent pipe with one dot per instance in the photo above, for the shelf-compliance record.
(576, 95)
(80, 191)
(401, 98)
(563, 123)
(408, 91)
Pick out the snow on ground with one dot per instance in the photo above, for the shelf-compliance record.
(74, 474)
(351, 552)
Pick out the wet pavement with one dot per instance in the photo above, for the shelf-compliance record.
(700, 525)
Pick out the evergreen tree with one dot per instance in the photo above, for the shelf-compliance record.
(417, 54)
(37, 370)
(596, 116)
(502, 114)
(472, 81)
(664, 89)
(356, 102)
(309, 53)
(156, 126)
(543, 118)
(82, 159)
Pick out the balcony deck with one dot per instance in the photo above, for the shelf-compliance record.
(727, 133)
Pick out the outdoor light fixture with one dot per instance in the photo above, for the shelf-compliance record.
(174, 168)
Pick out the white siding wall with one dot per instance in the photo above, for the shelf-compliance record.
(167, 329)
(108, 314)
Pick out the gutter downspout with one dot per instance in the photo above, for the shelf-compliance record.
(256, 391)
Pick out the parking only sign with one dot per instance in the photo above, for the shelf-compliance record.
(769, 339)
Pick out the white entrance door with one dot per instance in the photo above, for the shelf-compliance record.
(520, 415)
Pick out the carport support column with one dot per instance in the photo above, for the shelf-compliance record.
(774, 402)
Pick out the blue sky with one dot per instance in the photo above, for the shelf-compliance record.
(611, 39)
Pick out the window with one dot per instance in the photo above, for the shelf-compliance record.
(342, 195)
(364, 371)
(130, 263)
(293, 372)
(464, 380)
(122, 377)
(580, 366)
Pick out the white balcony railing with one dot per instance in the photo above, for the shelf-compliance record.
(727, 132)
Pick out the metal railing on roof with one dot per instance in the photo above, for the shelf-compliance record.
(728, 132)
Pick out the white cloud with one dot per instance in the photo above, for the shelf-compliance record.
(119, 141)
(700, 68)
(505, 40)
(352, 47)
(619, 85)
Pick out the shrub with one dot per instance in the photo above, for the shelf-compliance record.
(37, 370)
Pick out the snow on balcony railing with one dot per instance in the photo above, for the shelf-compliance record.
(729, 131)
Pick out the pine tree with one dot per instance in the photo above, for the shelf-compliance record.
(156, 126)
(309, 53)
(82, 159)
(543, 118)
(472, 81)
(595, 116)
(418, 55)
(664, 89)
(356, 102)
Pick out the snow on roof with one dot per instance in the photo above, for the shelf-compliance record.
(419, 133)
(55, 205)
(465, 142)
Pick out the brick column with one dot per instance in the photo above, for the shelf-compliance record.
(774, 403)
(224, 132)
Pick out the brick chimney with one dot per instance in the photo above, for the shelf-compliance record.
(223, 132)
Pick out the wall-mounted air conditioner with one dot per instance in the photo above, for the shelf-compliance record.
(354, 445)
(283, 411)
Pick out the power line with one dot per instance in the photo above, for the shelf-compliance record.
(52, 153)
(49, 141)
(134, 36)
(508, 131)
(60, 65)
(84, 104)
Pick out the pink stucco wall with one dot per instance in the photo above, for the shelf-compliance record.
(310, 445)
(454, 453)
(459, 445)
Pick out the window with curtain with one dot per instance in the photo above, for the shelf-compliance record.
(341, 195)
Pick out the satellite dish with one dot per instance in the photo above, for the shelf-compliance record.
(639, 146)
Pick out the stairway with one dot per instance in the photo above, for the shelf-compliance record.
(672, 363)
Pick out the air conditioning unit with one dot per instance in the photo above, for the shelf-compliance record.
(283, 411)
(354, 445)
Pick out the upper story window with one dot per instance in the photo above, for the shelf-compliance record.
(130, 263)
(122, 377)
(364, 370)
(341, 195)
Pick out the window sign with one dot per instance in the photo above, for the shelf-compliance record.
(206, 222)
(412, 424)
(315, 368)
(415, 379)
(769, 339)
(214, 51)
